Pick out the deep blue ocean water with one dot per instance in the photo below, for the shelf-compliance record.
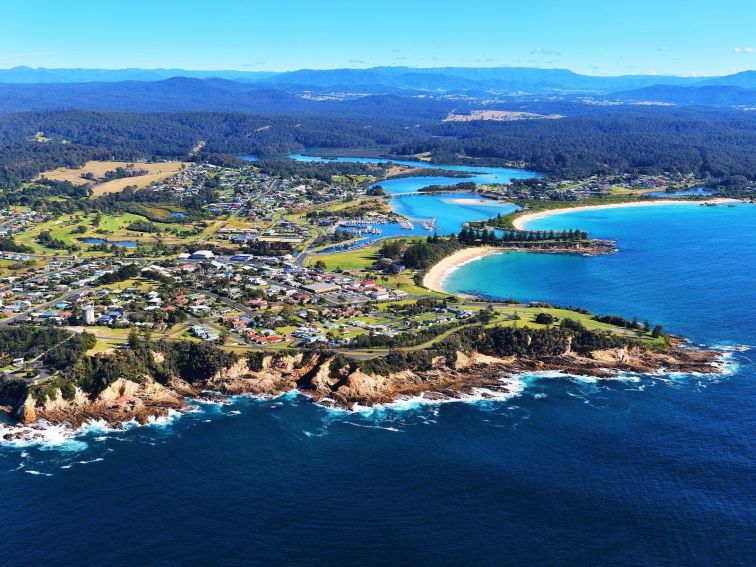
(642, 471)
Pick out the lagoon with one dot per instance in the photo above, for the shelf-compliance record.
(451, 210)
(695, 192)
(124, 243)
(479, 174)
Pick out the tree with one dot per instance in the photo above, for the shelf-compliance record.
(133, 339)
(147, 336)
(320, 265)
(657, 332)
(545, 319)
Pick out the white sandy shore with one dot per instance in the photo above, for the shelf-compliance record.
(434, 278)
(520, 222)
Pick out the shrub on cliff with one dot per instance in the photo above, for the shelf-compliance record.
(195, 362)
(255, 360)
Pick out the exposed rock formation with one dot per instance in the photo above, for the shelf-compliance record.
(142, 398)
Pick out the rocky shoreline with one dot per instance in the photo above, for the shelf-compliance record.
(144, 400)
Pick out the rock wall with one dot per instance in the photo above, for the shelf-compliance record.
(317, 378)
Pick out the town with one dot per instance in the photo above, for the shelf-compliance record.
(249, 257)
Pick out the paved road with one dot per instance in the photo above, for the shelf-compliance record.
(306, 252)
(21, 316)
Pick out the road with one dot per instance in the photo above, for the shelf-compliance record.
(43, 306)
(304, 253)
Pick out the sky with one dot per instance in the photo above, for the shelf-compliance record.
(606, 37)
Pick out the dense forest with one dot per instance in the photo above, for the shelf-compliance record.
(66, 352)
(710, 142)
(707, 141)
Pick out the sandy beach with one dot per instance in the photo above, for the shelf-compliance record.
(520, 222)
(434, 278)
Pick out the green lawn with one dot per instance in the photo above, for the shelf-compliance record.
(111, 227)
(359, 259)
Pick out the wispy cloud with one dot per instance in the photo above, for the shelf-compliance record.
(542, 51)
(663, 48)
(744, 50)
(357, 61)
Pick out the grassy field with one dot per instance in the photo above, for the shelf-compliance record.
(156, 172)
(359, 259)
(527, 317)
(111, 228)
(376, 204)
(406, 283)
(616, 190)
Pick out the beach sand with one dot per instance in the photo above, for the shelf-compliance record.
(520, 222)
(434, 278)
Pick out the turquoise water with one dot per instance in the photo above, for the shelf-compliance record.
(696, 191)
(482, 174)
(388, 230)
(688, 267)
(646, 470)
(124, 243)
(413, 184)
(451, 210)
(477, 174)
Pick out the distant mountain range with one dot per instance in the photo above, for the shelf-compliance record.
(393, 89)
(440, 79)
(75, 75)
(707, 95)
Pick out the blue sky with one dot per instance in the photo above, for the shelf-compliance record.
(608, 37)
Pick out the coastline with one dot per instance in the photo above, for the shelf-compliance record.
(520, 222)
(472, 375)
(435, 276)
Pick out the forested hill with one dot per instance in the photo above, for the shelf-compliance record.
(220, 95)
(715, 142)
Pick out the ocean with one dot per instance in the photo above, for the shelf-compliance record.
(643, 470)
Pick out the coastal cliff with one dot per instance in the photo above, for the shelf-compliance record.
(327, 380)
